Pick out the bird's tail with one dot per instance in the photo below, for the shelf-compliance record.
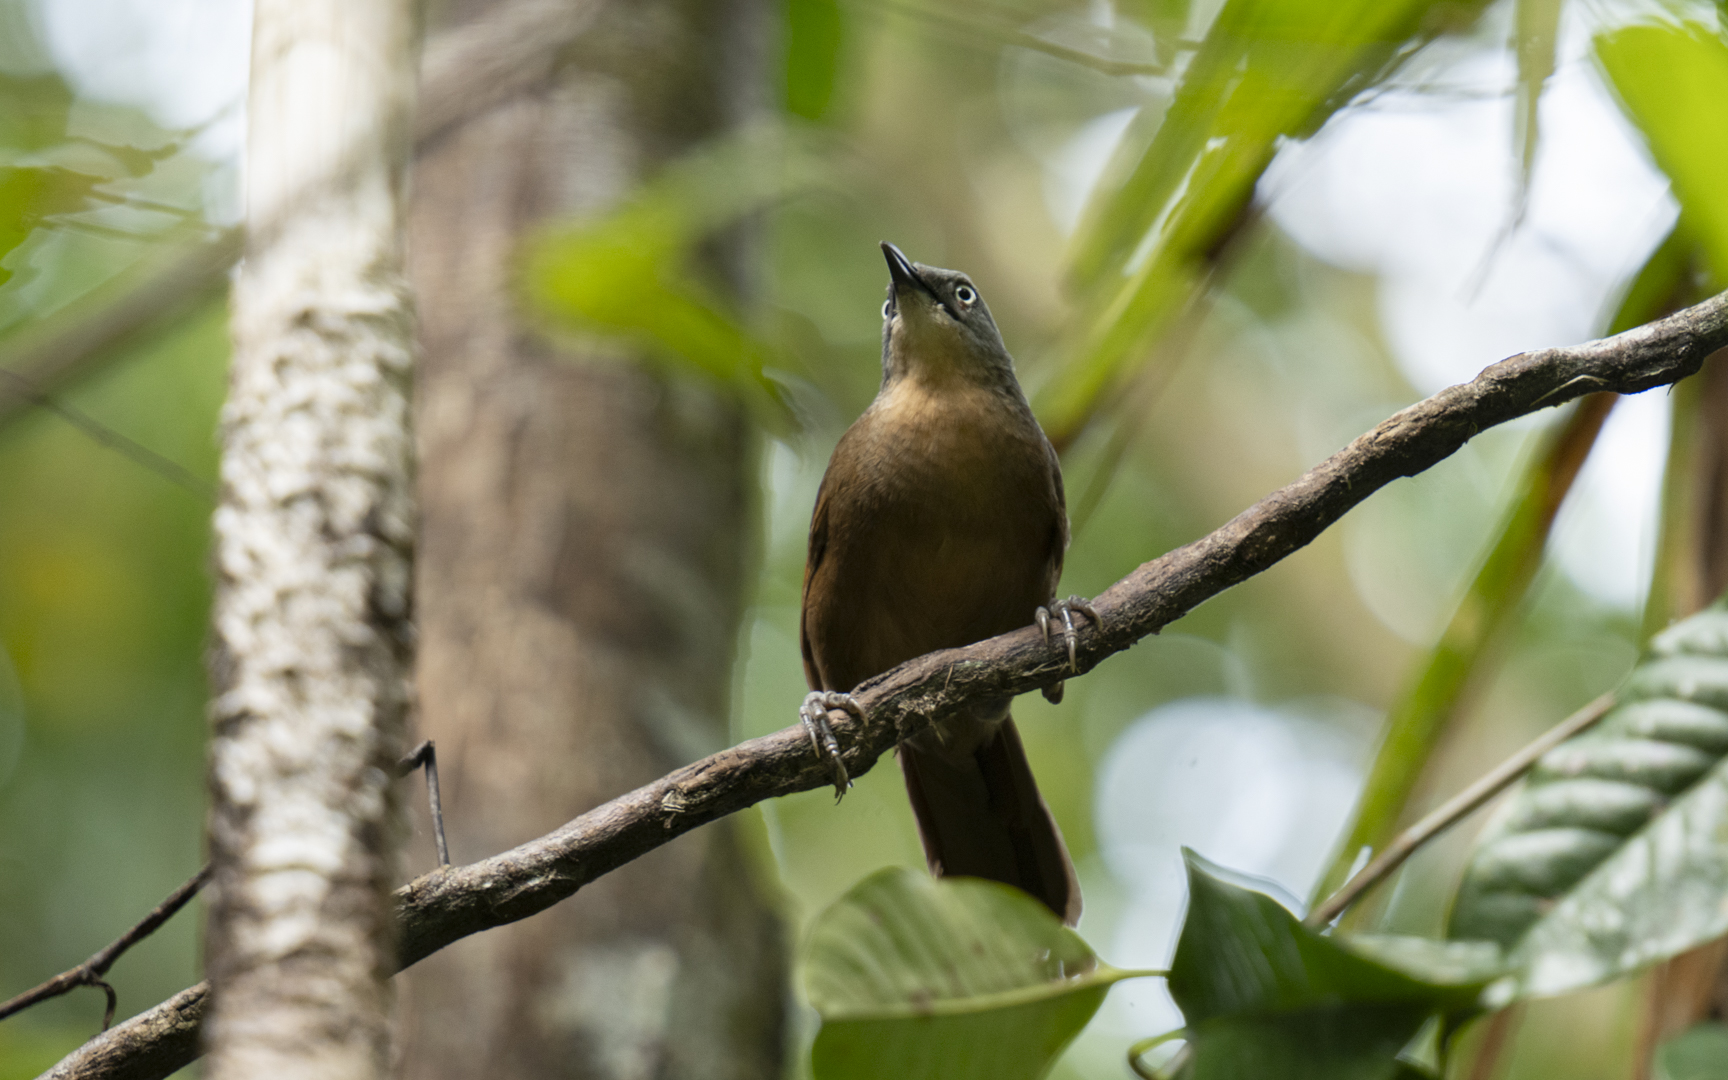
(982, 816)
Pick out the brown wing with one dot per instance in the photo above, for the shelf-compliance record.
(1058, 549)
(1059, 532)
(812, 561)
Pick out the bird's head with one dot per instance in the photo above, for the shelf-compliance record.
(936, 325)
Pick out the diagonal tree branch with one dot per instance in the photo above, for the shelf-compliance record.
(451, 903)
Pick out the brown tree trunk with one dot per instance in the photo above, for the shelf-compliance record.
(586, 530)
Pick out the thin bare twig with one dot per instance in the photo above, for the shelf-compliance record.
(167, 468)
(90, 972)
(1455, 809)
(426, 756)
(451, 903)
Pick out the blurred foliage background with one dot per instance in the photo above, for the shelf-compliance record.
(1221, 239)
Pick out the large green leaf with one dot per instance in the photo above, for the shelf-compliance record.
(1265, 996)
(1672, 82)
(947, 980)
(1615, 853)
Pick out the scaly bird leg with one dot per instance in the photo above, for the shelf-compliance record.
(814, 714)
(1065, 610)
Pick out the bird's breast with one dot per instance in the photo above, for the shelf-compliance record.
(942, 524)
(957, 453)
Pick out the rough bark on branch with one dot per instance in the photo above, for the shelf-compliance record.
(452, 903)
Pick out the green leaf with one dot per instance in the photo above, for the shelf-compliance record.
(955, 978)
(1672, 81)
(33, 115)
(1614, 854)
(1263, 70)
(1536, 29)
(1698, 1053)
(43, 173)
(1445, 963)
(634, 273)
(1267, 70)
(1265, 996)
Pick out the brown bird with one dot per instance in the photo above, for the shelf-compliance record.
(941, 522)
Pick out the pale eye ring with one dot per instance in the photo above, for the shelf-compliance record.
(965, 295)
(887, 309)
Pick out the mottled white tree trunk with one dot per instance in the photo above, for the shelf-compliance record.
(313, 540)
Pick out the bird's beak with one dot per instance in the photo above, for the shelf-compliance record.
(904, 274)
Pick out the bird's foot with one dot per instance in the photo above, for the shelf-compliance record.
(814, 714)
(1064, 610)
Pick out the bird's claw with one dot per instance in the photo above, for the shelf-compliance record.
(814, 714)
(1066, 609)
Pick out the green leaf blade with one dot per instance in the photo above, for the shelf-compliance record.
(1659, 895)
(1615, 854)
(1265, 996)
(956, 978)
(1267, 70)
(1014, 1043)
(636, 274)
(1536, 32)
(1672, 81)
(1341, 1043)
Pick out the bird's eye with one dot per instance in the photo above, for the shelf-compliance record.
(887, 309)
(965, 295)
